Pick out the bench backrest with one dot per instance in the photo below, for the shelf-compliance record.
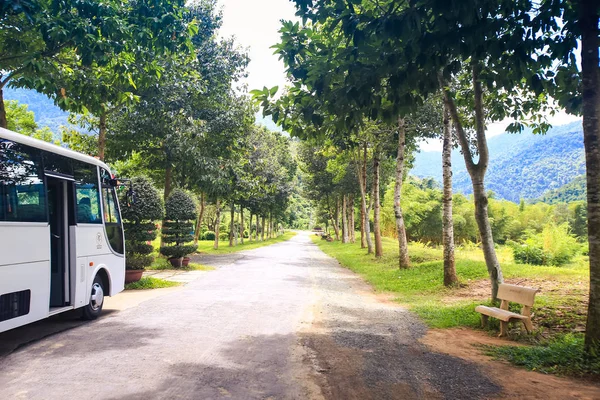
(517, 294)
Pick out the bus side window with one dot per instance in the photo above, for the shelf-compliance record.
(111, 215)
(22, 191)
(87, 194)
(88, 204)
(112, 220)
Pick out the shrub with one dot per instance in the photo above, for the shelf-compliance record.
(553, 246)
(209, 235)
(246, 234)
(139, 225)
(223, 236)
(178, 230)
(563, 355)
(528, 254)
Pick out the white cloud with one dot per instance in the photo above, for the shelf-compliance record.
(255, 25)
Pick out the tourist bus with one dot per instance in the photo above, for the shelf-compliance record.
(61, 236)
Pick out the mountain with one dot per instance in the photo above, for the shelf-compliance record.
(46, 112)
(521, 165)
(572, 191)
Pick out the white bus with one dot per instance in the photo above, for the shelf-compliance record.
(61, 237)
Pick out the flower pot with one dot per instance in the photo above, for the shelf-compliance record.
(185, 262)
(133, 275)
(176, 262)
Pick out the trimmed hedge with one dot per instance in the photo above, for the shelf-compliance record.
(139, 225)
(178, 230)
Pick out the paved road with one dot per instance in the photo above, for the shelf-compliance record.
(279, 322)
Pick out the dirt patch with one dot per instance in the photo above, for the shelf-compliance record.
(480, 289)
(516, 382)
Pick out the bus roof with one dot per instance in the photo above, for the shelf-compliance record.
(40, 144)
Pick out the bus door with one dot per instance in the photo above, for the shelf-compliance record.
(60, 211)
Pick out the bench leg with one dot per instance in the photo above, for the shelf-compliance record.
(528, 325)
(484, 320)
(503, 328)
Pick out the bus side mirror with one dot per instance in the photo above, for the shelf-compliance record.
(113, 182)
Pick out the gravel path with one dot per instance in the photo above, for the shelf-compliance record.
(278, 322)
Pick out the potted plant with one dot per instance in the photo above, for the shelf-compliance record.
(140, 229)
(178, 229)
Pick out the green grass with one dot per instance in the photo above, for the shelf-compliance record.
(421, 287)
(559, 310)
(160, 264)
(206, 246)
(150, 283)
(562, 355)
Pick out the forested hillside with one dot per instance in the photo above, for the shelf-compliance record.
(521, 165)
(572, 191)
(46, 113)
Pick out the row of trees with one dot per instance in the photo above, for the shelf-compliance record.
(361, 71)
(151, 89)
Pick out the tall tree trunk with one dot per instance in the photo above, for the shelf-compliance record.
(199, 223)
(102, 136)
(262, 230)
(477, 174)
(336, 219)
(590, 73)
(250, 229)
(344, 219)
(242, 225)
(270, 226)
(217, 224)
(351, 221)
(3, 119)
(256, 229)
(376, 206)
(232, 225)
(370, 248)
(403, 259)
(450, 277)
(363, 199)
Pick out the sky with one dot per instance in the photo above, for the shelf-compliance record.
(255, 25)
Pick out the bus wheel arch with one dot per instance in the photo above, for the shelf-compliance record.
(103, 274)
(98, 292)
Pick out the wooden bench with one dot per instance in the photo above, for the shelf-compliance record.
(507, 293)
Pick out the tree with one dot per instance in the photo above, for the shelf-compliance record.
(178, 226)
(140, 216)
(450, 277)
(42, 41)
(21, 120)
(564, 23)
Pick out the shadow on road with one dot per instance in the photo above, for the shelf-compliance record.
(19, 338)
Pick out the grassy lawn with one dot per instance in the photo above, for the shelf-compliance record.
(150, 283)
(161, 263)
(559, 310)
(206, 246)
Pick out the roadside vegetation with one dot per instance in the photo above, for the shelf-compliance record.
(149, 282)
(162, 264)
(206, 247)
(559, 310)
(562, 355)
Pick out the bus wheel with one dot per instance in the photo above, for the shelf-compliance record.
(94, 307)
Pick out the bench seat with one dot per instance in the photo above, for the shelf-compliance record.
(507, 293)
(498, 313)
